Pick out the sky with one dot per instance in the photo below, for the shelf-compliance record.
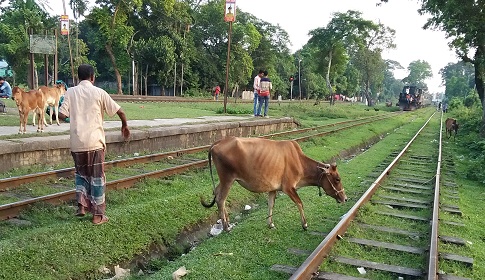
(299, 17)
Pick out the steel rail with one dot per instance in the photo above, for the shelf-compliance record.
(10, 210)
(302, 130)
(13, 182)
(433, 249)
(312, 263)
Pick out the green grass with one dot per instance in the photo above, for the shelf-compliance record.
(472, 195)
(156, 211)
(249, 241)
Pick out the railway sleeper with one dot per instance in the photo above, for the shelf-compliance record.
(451, 223)
(451, 210)
(400, 270)
(405, 190)
(390, 230)
(409, 173)
(406, 199)
(457, 258)
(319, 275)
(452, 240)
(400, 204)
(451, 277)
(415, 183)
(404, 216)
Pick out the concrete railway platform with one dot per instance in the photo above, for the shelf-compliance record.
(146, 136)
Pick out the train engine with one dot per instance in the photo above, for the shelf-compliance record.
(410, 98)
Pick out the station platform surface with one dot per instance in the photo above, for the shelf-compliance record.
(64, 127)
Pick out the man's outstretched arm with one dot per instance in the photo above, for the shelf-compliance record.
(124, 124)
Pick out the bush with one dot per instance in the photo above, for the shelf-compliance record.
(195, 92)
(472, 99)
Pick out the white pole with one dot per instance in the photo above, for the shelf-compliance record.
(133, 74)
(174, 78)
(291, 91)
(299, 77)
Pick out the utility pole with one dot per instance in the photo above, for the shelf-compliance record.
(299, 77)
(229, 16)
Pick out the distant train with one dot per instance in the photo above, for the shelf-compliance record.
(410, 98)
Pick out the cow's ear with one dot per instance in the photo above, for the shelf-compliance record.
(334, 166)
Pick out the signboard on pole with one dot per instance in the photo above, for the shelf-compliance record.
(64, 25)
(230, 11)
(44, 44)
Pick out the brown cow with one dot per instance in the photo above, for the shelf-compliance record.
(451, 128)
(52, 96)
(262, 165)
(28, 101)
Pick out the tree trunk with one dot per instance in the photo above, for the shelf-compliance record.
(109, 50)
(367, 95)
(327, 77)
(479, 83)
(146, 80)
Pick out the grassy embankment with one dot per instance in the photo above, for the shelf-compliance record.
(57, 245)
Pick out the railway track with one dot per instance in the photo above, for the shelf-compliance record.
(396, 222)
(59, 186)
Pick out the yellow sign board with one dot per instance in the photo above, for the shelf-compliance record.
(230, 11)
(64, 25)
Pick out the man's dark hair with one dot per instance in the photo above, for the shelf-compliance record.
(2, 78)
(265, 72)
(85, 71)
(260, 71)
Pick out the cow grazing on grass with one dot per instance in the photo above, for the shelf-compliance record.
(52, 96)
(262, 165)
(33, 100)
(451, 128)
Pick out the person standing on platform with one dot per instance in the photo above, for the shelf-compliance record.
(257, 79)
(264, 93)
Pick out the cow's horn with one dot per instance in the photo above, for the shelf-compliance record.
(324, 166)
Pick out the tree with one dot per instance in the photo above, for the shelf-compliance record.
(369, 60)
(462, 21)
(113, 36)
(459, 79)
(419, 71)
(14, 41)
(341, 33)
(391, 86)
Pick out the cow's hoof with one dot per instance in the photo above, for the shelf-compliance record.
(271, 226)
(305, 226)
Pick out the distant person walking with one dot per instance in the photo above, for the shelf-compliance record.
(264, 93)
(445, 108)
(217, 90)
(257, 79)
(85, 105)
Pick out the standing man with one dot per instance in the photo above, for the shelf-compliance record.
(216, 92)
(257, 79)
(264, 92)
(85, 105)
(5, 89)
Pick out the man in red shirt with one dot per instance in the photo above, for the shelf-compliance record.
(216, 92)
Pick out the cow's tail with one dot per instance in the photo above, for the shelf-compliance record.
(209, 205)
